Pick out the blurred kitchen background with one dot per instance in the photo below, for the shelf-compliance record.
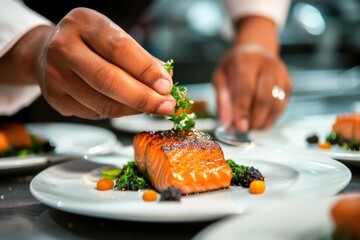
(320, 45)
(321, 35)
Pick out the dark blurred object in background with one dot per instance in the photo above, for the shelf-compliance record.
(125, 12)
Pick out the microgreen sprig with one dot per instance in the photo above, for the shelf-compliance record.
(181, 118)
(169, 65)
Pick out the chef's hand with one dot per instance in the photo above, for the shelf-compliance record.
(246, 76)
(89, 67)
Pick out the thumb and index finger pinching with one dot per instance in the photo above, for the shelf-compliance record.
(144, 84)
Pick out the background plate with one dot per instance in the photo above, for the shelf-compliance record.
(71, 186)
(293, 134)
(69, 140)
(293, 220)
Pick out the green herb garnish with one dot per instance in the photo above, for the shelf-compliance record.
(130, 179)
(111, 173)
(181, 118)
(243, 175)
(238, 172)
(169, 65)
(333, 138)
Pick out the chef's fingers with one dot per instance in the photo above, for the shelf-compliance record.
(223, 99)
(103, 105)
(116, 46)
(68, 106)
(285, 83)
(114, 82)
(263, 100)
(243, 76)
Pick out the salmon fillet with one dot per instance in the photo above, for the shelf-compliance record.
(16, 134)
(348, 126)
(4, 142)
(189, 160)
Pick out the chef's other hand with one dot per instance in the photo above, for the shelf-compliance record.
(91, 68)
(251, 82)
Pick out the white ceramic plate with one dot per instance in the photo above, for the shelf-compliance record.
(293, 134)
(69, 140)
(293, 220)
(71, 186)
(144, 122)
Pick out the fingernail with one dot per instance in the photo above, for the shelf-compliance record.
(243, 125)
(162, 86)
(166, 108)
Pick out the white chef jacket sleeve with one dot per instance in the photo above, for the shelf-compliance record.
(276, 10)
(16, 19)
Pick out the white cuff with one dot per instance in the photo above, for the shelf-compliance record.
(13, 98)
(276, 10)
(15, 20)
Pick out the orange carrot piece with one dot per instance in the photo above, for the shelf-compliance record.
(257, 187)
(150, 196)
(104, 184)
(325, 145)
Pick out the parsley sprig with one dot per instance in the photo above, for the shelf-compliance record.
(181, 118)
(169, 65)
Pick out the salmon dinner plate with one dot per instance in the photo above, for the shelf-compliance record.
(71, 187)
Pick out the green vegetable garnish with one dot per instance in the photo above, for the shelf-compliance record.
(130, 179)
(238, 172)
(111, 173)
(243, 175)
(333, 138)
(182, 120)
(169, 65)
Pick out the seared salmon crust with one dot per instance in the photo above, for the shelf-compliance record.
(189, 160)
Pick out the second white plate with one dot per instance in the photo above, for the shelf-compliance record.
(70, 139)
(293, 134)
(71, 187)
(293, 220)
